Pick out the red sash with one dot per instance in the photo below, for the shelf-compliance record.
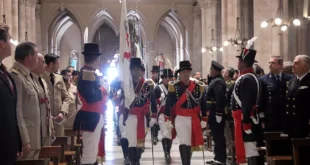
(140, 112)
(197, 139)
(240, 150)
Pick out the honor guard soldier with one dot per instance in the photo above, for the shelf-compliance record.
(244, 110)
(297, 115)
(272, 103)
(216, 105)
(28, 104)
(185, 102)
(155, 77)
(161, 93)
(89, 119)
(144, 100)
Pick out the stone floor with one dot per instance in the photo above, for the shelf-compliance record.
(114, 155)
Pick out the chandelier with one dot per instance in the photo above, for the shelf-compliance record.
(281, 21)
(212, 48)
(238, 40)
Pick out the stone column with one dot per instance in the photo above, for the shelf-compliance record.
(38, 28)
(196, 55)
(33, 4)
(1, 10)
(150, 56)
(22, 20)
(28, 20)
(7, 11)
(209, 22)
(14, 31)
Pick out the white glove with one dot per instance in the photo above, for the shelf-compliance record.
(169, 125)
(152, 122)
(248, 131)
(218, 118)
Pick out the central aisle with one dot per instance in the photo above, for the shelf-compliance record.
(114, 154)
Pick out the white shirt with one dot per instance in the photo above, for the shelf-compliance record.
(301, 77)
(280, 75)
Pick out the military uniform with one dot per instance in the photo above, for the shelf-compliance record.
(272, 103)
(155, 128)
(136, 121)
(74, 106)
(28, 109)
(161, 93)
(244, 100)
(89, 119)
(216, 105)
(59, 99)
(184, 104)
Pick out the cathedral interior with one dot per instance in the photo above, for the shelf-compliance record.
(166, 32)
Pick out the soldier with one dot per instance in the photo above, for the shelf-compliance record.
(272, 100)
(245, 97)
(135, 123)
(184, 104)
(216, 105)
(161, 92)
(28, 105)
(89, 119)
(155, 77)
(46, 115)
(59, 96)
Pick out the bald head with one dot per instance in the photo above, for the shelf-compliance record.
(41, 65)
(301, 65)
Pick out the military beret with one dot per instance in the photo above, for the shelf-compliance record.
(215, 65)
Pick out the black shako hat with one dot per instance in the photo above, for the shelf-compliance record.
(217, 66)
(166, 73)
(91, 49)
(184, 65)
(247, 55)
(155, 69)
(136, 62)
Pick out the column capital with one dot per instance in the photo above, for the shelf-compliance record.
(208, 3)
(197, 12)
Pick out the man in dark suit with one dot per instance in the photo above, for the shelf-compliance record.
(297, 115)
(272, 100)
(10, 138)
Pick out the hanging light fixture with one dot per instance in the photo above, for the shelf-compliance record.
(212, 48)
(237, 40)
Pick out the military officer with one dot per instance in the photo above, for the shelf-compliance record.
(28, 105)
(155, 77)
(185, 102)
(216, 105)
(89, 119)
(161, 92)
(245, 97)
(136, 121)
(297, 115)
(59, 96)
(272, 101)
(46, 116)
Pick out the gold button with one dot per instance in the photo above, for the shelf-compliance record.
(286, 105)
(293, 98)
(287, 112)
(294, 113)
(293, 106)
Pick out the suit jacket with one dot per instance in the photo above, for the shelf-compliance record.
(46, 116)
(297, 115)
(75, 105)
(10, 137)
(28, 106)
(59, 96)
(273, 100)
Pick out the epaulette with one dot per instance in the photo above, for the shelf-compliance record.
(171, 84)
(88, 75)
(201, 85)
(150, 82)
(15, 71)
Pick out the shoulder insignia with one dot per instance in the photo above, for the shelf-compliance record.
(171, 84)
(88, 75)
(15, 71)
(201, 85)
(150, 82)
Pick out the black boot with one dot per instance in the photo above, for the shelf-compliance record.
(139, 154)
(153, 134)
(133, 155)
(156, 132)
(256, 160)
(184, 154)
(124, 143)
(167, 146)
(189, 148)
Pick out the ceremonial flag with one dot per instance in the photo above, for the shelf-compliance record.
(125, 56)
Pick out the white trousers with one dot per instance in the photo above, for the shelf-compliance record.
(121, 126)
(165, 129)
(91, 142)
(250, 149)
(183, 127)
(131, 128)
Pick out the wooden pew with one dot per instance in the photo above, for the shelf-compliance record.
(30, 162)
(75, 146)
(278, 149)
(66, 155)
(301, 151)
(52, 152)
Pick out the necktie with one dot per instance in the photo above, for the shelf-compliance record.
(278, 79)
(52, 79)
(5, 73)
(41, 83)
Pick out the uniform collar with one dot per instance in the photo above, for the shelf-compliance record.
(25, 71)
(245, 71)
(89, 67)
(35, 76)
(301, 77)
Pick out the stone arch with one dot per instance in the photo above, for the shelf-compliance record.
(99, 18)
(173, 23)
(58, 27)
